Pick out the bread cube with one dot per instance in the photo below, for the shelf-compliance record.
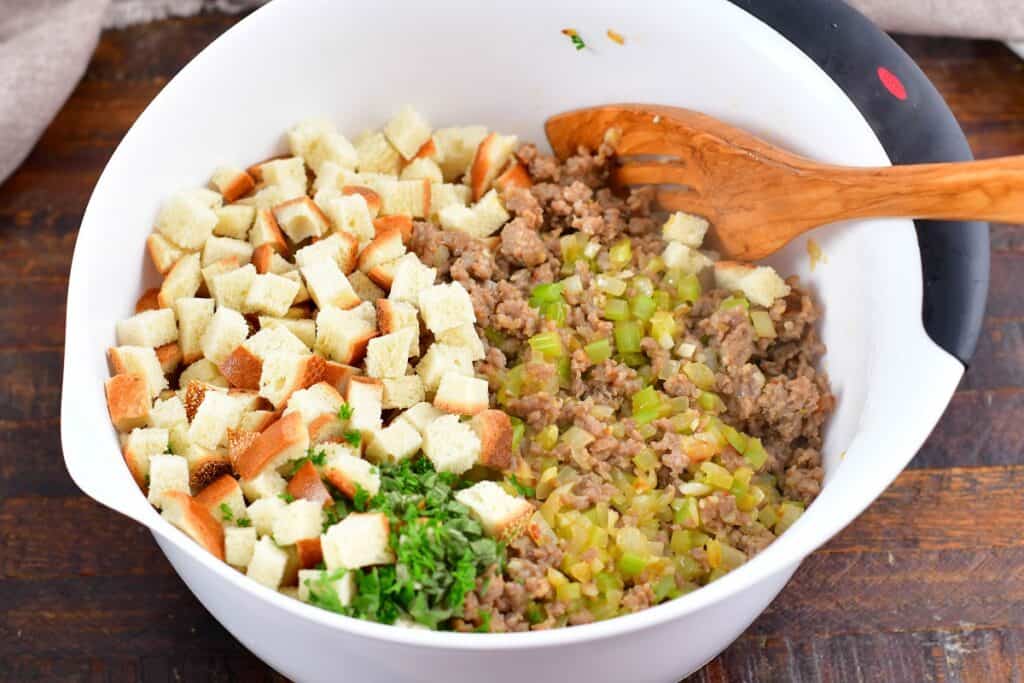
(140, 445)
(457, 147)
(376, 155)
(422, 168)
(464, 336)
(216, 414)
(198, 524)
(407, 131)
(481, 220)
(446, 306)
(141, 361)
(150, 328)
(760, 284)
(346, 471)
(223, 499)
(514, 175)
(365, 288)
(268, 563)
(386, 246)
(341, 248)
(388, 355)
(225, 331)
(450, 445)
(405, 197)
(344, 586)
(319, 399)
(328, 285)
(276, 338)
(288, 174)
(205, 466)
(306, 484)
(302, 329)
(148, 300)
(442, 358)
(371, 198)
(678, 256)
(266, 260)
(239, 545)
(502, 516)
(233, 183)
(203, 370)
(217, 248)
(169, 414)
(365, 396)
(443, 195)
(494, 429)
(420, 415)
(490, 159)
(285, 373)
(285, 440)
(397, 442)
(162, 252)
(403, 224)
(349, 214)
(169, 356)
(685, 228)
(234, 221)
(187, 218)
(299, 519)
(410, 278)
(266, 231)
(383, 274)
(271, 294)
(211, 272)
(193, 316)
(402, 392)
(264, 489)
(181, 281)
(318, 141)
(242, 368)
(460, 394)
(301, 218)
(166, 473)
(395, 316)
(231, 288)
(342, 335)
(359, 540)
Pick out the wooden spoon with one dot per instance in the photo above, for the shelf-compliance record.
(759, 197)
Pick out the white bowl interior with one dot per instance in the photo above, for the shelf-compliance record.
(357, 62)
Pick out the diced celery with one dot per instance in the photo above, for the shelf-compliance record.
(518, 429)
(688, 288)
(768, 516)
(628, 334)
(663, 300)
(663, 324)
(535, 613)
(647, 431)
(547, 483)
(598, 351)
(606, 582)
(688, 568)
(572, 249)
(736, 439)
(633, 360)
(555, 311)
(655, 265)
(568, 591)
(547, 437)
(763, 325)
(789, 512)
(716, 475)
(572, 284)
(646, 459)
(546, 293)
(716, 574)
(642, 286)
(631, 564)
(648, 396)
(621, 253)
(710, 402)
(548, 344)
(731, 557)
(564, 371)
(734, 302)
(688, 515)
(642, 307)
(754, 453)
(665, 588)
(700, 374)
(581, 571)
(616, 309)
(576, 438)
(611, 285)
(513, 384)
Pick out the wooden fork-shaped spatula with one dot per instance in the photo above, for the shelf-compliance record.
(759, 197)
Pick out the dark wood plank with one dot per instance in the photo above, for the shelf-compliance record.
(31, 463)
(30, 389)
(979, 428)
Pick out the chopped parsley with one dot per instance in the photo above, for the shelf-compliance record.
(353, 436)
(244, 521)
(169, 450)
(286, 497)
(318, 457)
(225, 512)
(345, 411)
(485, 622)
(577, 41)
(523, 489)
(322, 592)
(361, 499)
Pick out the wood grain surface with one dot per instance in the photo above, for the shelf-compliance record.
(927, 585)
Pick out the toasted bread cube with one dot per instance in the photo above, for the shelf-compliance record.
(249, 399)
(184, 512)
(371, 198)
(386, 246)
(141, 361)
(263, 511)
(388, 355)
(306, 483)
(217, 413)
(685, 228)
(328, 286)
(140, 445)
(268, 563)
(420, 415)
(376, 155)
(365, 288)
(225, 331)
(285, 440)
(233, 183)
(492, 155)
(678, 256)
(422, 169)
(166, 473)
(407, 131)
(285, 373)
(450, 445)
(494, 429)
(301, 296)
(162, 252)
(481, 220)
(394, 316)
(364, 396)
(411, 278)
(256, 421)
(188, 217)
(464, 336)
(223, 498)
(264, 489)
(457, 147)
(230, 289)
(442, 358)
(170, 414)
(301, 218)
(182, 281)
(514, 175)
(148, 300)
(402, 392)
(350, 214)
(239, 544)
(394, 222)
(217, 248)
(344, 586)
(502, 516)
(760, 284)
(316, 401)
(341, 248)
(460, 394)
(234, 221)
(343, 335)
(318, 141)
(267, 260)
(346, 471)
(382, 274)
(169, 356)
(242, 369)
(275, 338)
(446, 306)
(205, 465)
(266, 231)
(328, 181)
(150, 328)
(304, 330)
(271, 294)
(299, 519)
(203, 370)
(397, 442)
(288, 174)
(214, 270)
(405, 197)
(193, 316)
(359, 540)
(443, 195)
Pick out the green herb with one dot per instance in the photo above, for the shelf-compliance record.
(334, 514)
(353, 436)
(169, 450)
(523, 489)
(485, 622)
(225, 512)
(322, 592)
(361, 499)
(244, 521)
(318, 457)
(345, 411)
(286, 497)
(577, 41)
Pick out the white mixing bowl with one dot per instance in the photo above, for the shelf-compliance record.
(461, 63)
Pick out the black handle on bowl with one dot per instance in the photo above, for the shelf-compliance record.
(915, 126)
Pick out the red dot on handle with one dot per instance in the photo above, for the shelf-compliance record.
(892, 83)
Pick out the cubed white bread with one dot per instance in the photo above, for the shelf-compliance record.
(405, 197)
(446, 306)
(491, 157)
(329, 179)
(269, 196)
(338, 375)
(231, 288)
(359, 540)
(350, 214)
(271, 294)
(166, 473)
(341, 248)
(411, 277)
(141, 361)
(268, 563)
(457, 147)
(481, 220)
(170, 414)
(314, 402)
(214, 270)
(128, 401)
(223, 499)
(276, 338)
(225, 331)
(203, 370)
(376, 154)
(685, 228)
(388, 354)
(267, 260)
(285, 440)
(302, 329)
(193, 316)
(256, 421)
(284, 373)
(248, 399)
(442, 358)
(139, 446)
(419, 416)
(301, 296)
(365, 396)
(217, 248)
(514, 175)
(395, 316)
(181, 281)
(289, 174)
(318, 141)
(760, 284)
(422, 169)
(501, 515)
(196, 521)
(149, 328)
(266, 231)
(365, 288)
(429, 150)
(370, 197)
(344, 586)
(347, 472)
(678, 256)
(217, 413)
(397, 442)
(234, 221)
(464, 336)
(407, 131)
(162, 252)
(494, 429)
(300, 519)
(342, 335)
(383, 274)
(242, 368)
(328, 286)
(301, 219)
(187, 218)
(232, 182)
(386, 246)
(239, 544)
(264, 489)
(443, 195)
(169, 356)
(460, 394)
(451, 446)
(402, 392)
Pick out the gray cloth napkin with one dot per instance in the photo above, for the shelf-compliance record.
(45, 45)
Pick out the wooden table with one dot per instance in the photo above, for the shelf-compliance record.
(928, 584)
